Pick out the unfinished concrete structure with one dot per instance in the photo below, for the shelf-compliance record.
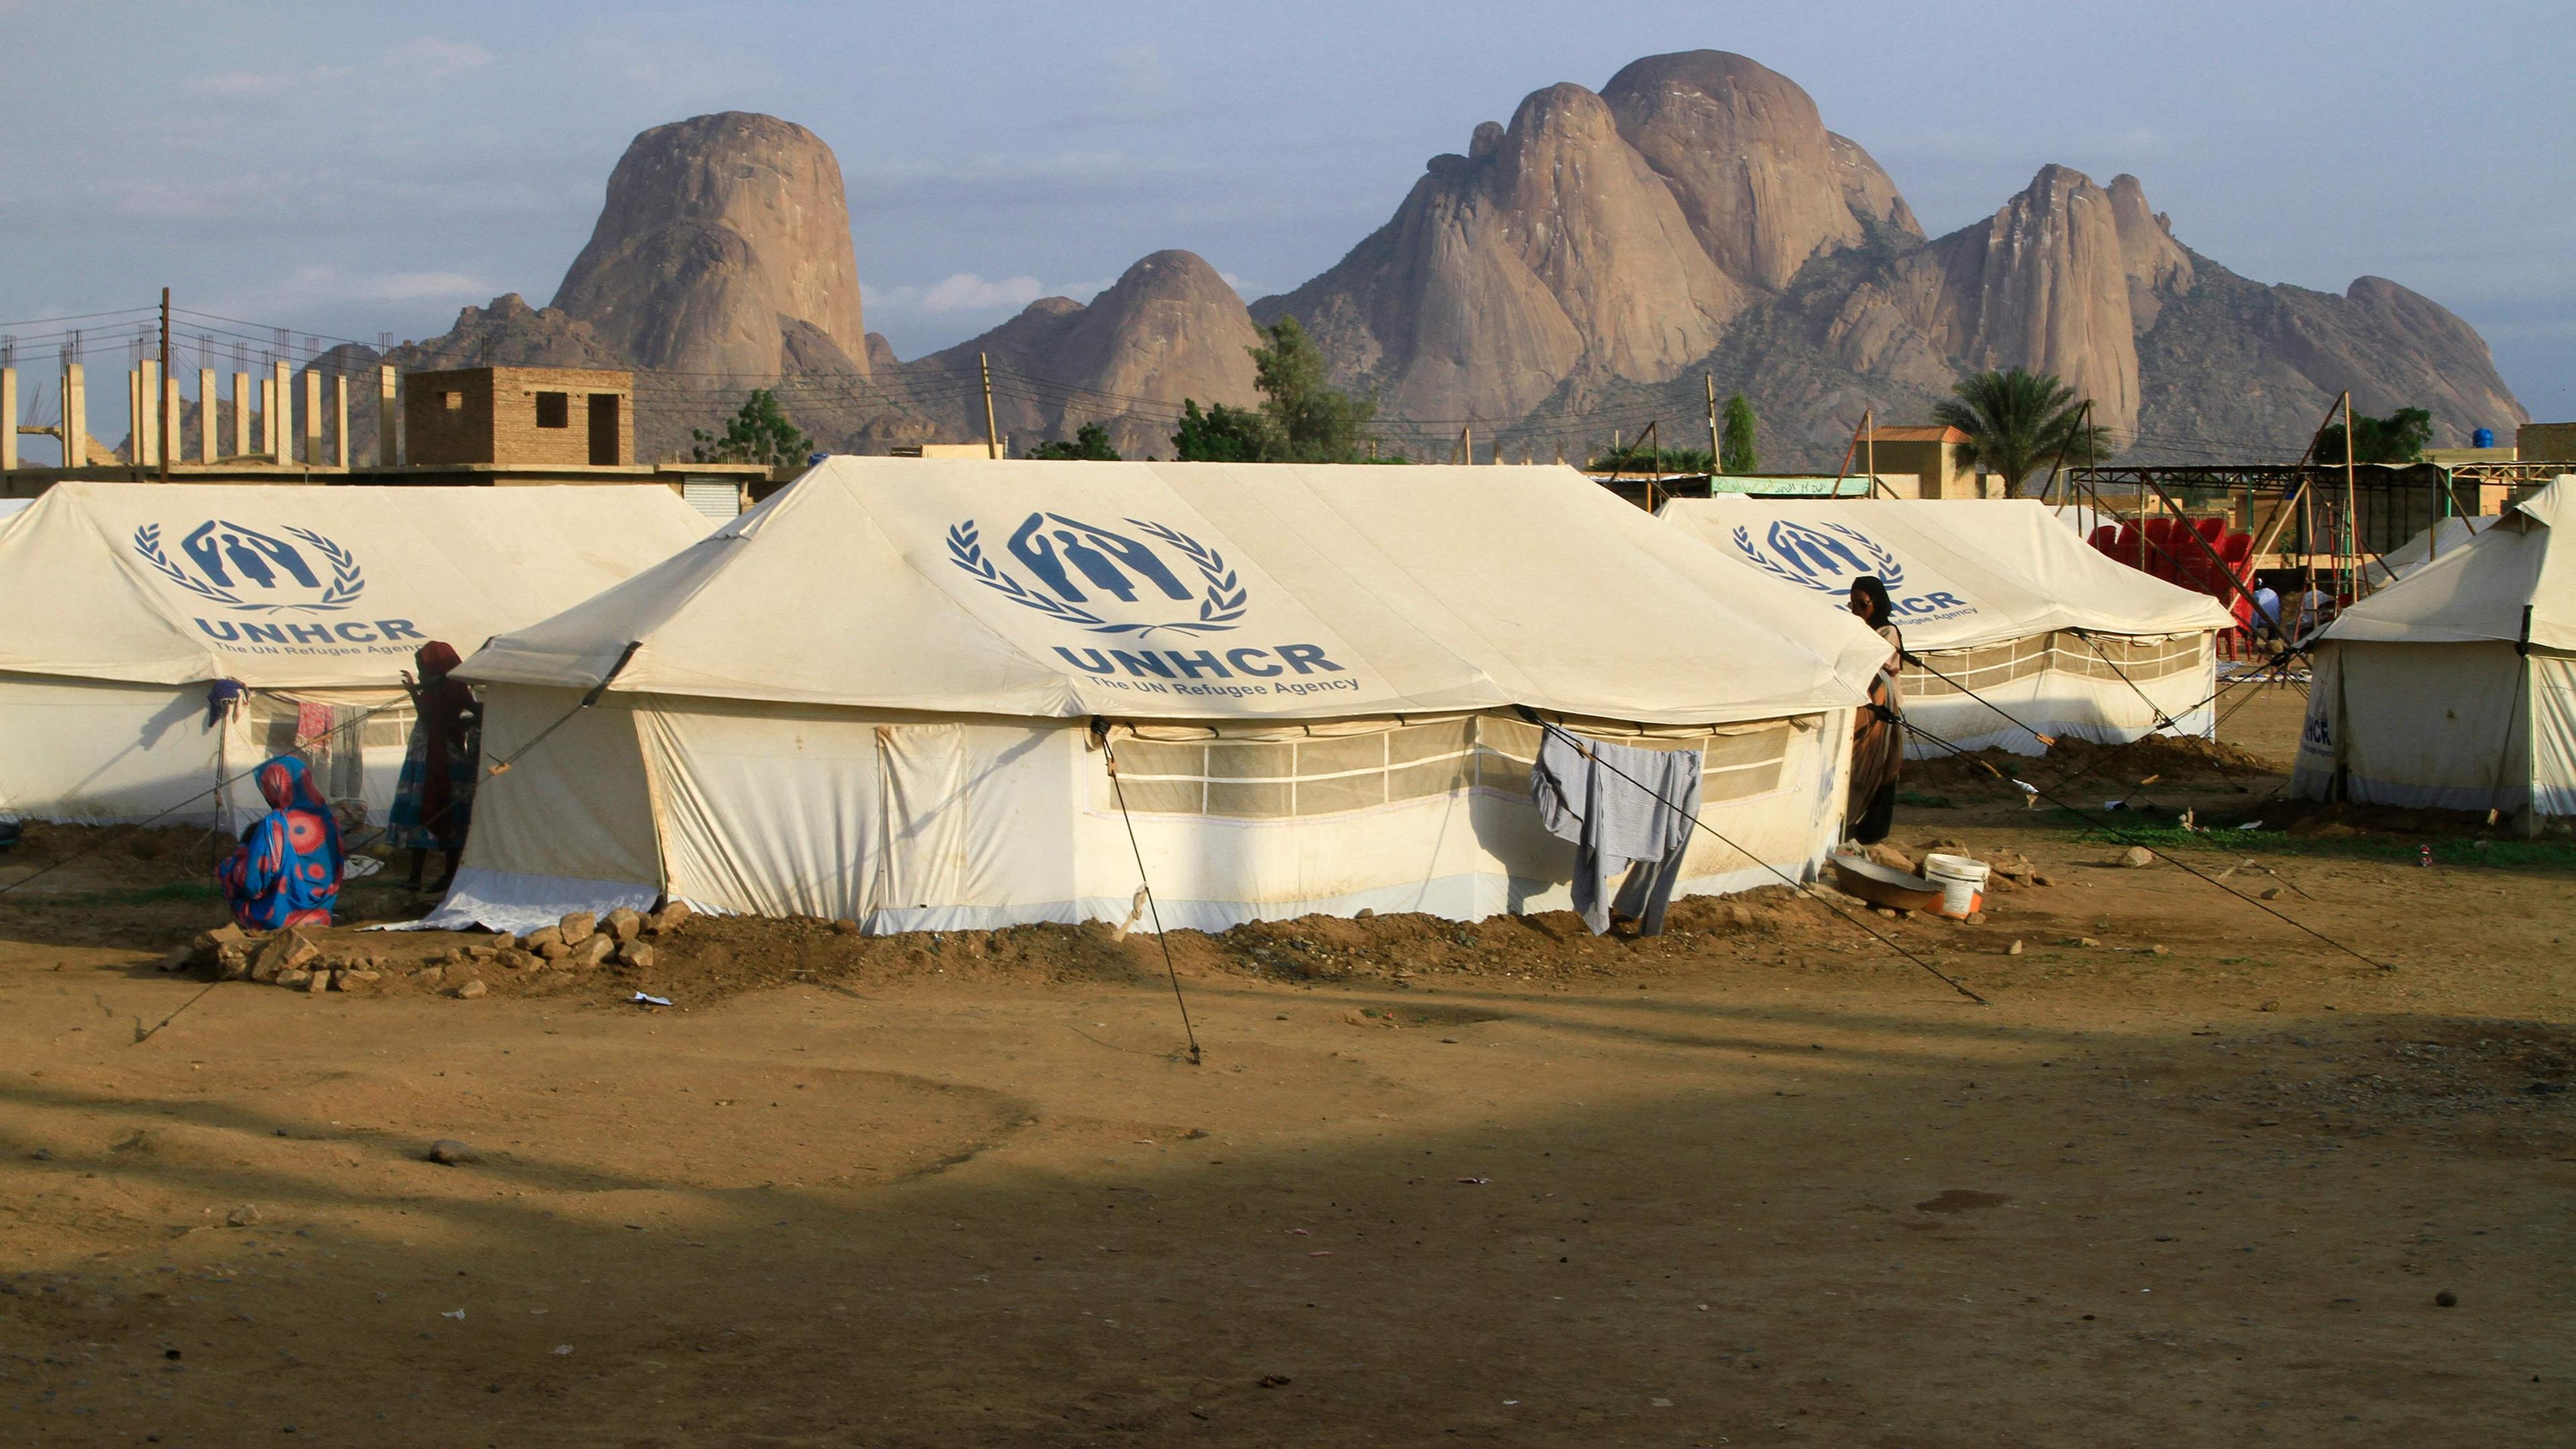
(551, 416)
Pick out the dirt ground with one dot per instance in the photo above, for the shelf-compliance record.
(2191, 1177)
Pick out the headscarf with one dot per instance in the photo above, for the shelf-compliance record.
(287, 870)
(441, 701)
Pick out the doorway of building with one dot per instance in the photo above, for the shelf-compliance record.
(603, 430)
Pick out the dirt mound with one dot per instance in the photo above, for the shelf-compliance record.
(2165, 759)
(714, 958)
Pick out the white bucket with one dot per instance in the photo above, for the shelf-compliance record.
(1962, 882)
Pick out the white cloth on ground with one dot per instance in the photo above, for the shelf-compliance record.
(1625, 809)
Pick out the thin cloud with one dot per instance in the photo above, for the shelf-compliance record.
(433, 59)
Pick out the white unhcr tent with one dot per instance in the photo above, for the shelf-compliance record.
(2426, 546)
(882, 696)
(121, 605)
(2000, 596)
(2455, 687)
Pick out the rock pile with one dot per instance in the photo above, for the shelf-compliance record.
(293, 958)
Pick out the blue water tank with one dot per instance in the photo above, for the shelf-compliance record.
(2482, 438)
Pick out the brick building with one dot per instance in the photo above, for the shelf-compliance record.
(546, 416)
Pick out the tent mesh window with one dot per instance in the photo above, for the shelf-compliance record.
(1283, 779)
(1991, 665)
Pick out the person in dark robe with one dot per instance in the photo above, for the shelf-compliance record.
(434, 798)
(1878, 730)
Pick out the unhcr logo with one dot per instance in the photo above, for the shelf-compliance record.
(242, 568)
(1107, 581)
(1829, 556)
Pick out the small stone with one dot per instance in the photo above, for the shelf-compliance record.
(503, 941)
(1365, 913)
(516, 960)
(430, 975)
(625, 923)
(845, 927)
(2042, 880)
(232, 962)
(450, 1152)
(542, 937)
(470, 990)
(317, 980)
(2271, 893)
(2160, 949)
(2446, 1299)
(636, 954)
(2084, 941)
(589, 952)
(2273, 1005)
(359, 976)
(670, 918)
(293, 979)
(1976, 918)
(1738, 917)
(554, 950)
(241, 1217)
(2137, 857)
(577, 926)
(2014, 949)
(288, 949)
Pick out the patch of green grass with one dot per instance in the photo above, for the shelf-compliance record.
(2447, 850)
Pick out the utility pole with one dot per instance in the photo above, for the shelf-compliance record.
(1711, 379)
(1869, 447)
(161, 405)
(992, 433)
(2351, 588)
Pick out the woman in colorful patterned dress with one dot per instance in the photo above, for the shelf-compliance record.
(434, 798)
(286, 871)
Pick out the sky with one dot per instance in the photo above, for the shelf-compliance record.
(354, 170)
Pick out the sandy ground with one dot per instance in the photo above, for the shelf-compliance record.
(1757, 1181)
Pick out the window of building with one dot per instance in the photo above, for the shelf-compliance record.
(554, 409)
(453, 401)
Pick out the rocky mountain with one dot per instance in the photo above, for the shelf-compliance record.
(1603, 252)
(1170, 329)
(1608, 236)
(724, 247)
(1582, 268)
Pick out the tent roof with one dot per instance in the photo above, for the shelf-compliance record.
(1201, 590)
(2481, 590)
(1962, 572)
(290, 586)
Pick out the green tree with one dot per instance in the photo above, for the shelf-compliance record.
(759, 433)
(2397, 438)
(1090, 445)
(1736, 450)
(1311, 420)
(1221, 435)
(2018, 422)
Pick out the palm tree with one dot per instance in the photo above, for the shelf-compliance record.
(2018, 422)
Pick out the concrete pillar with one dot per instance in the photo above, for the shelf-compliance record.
(340, 420)
(312, 418)
(134, 414)
(8, 419)
(207, 450)
(75, 415)
(388, 416)
(280, 416)
(169, 430)
(241, 415)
